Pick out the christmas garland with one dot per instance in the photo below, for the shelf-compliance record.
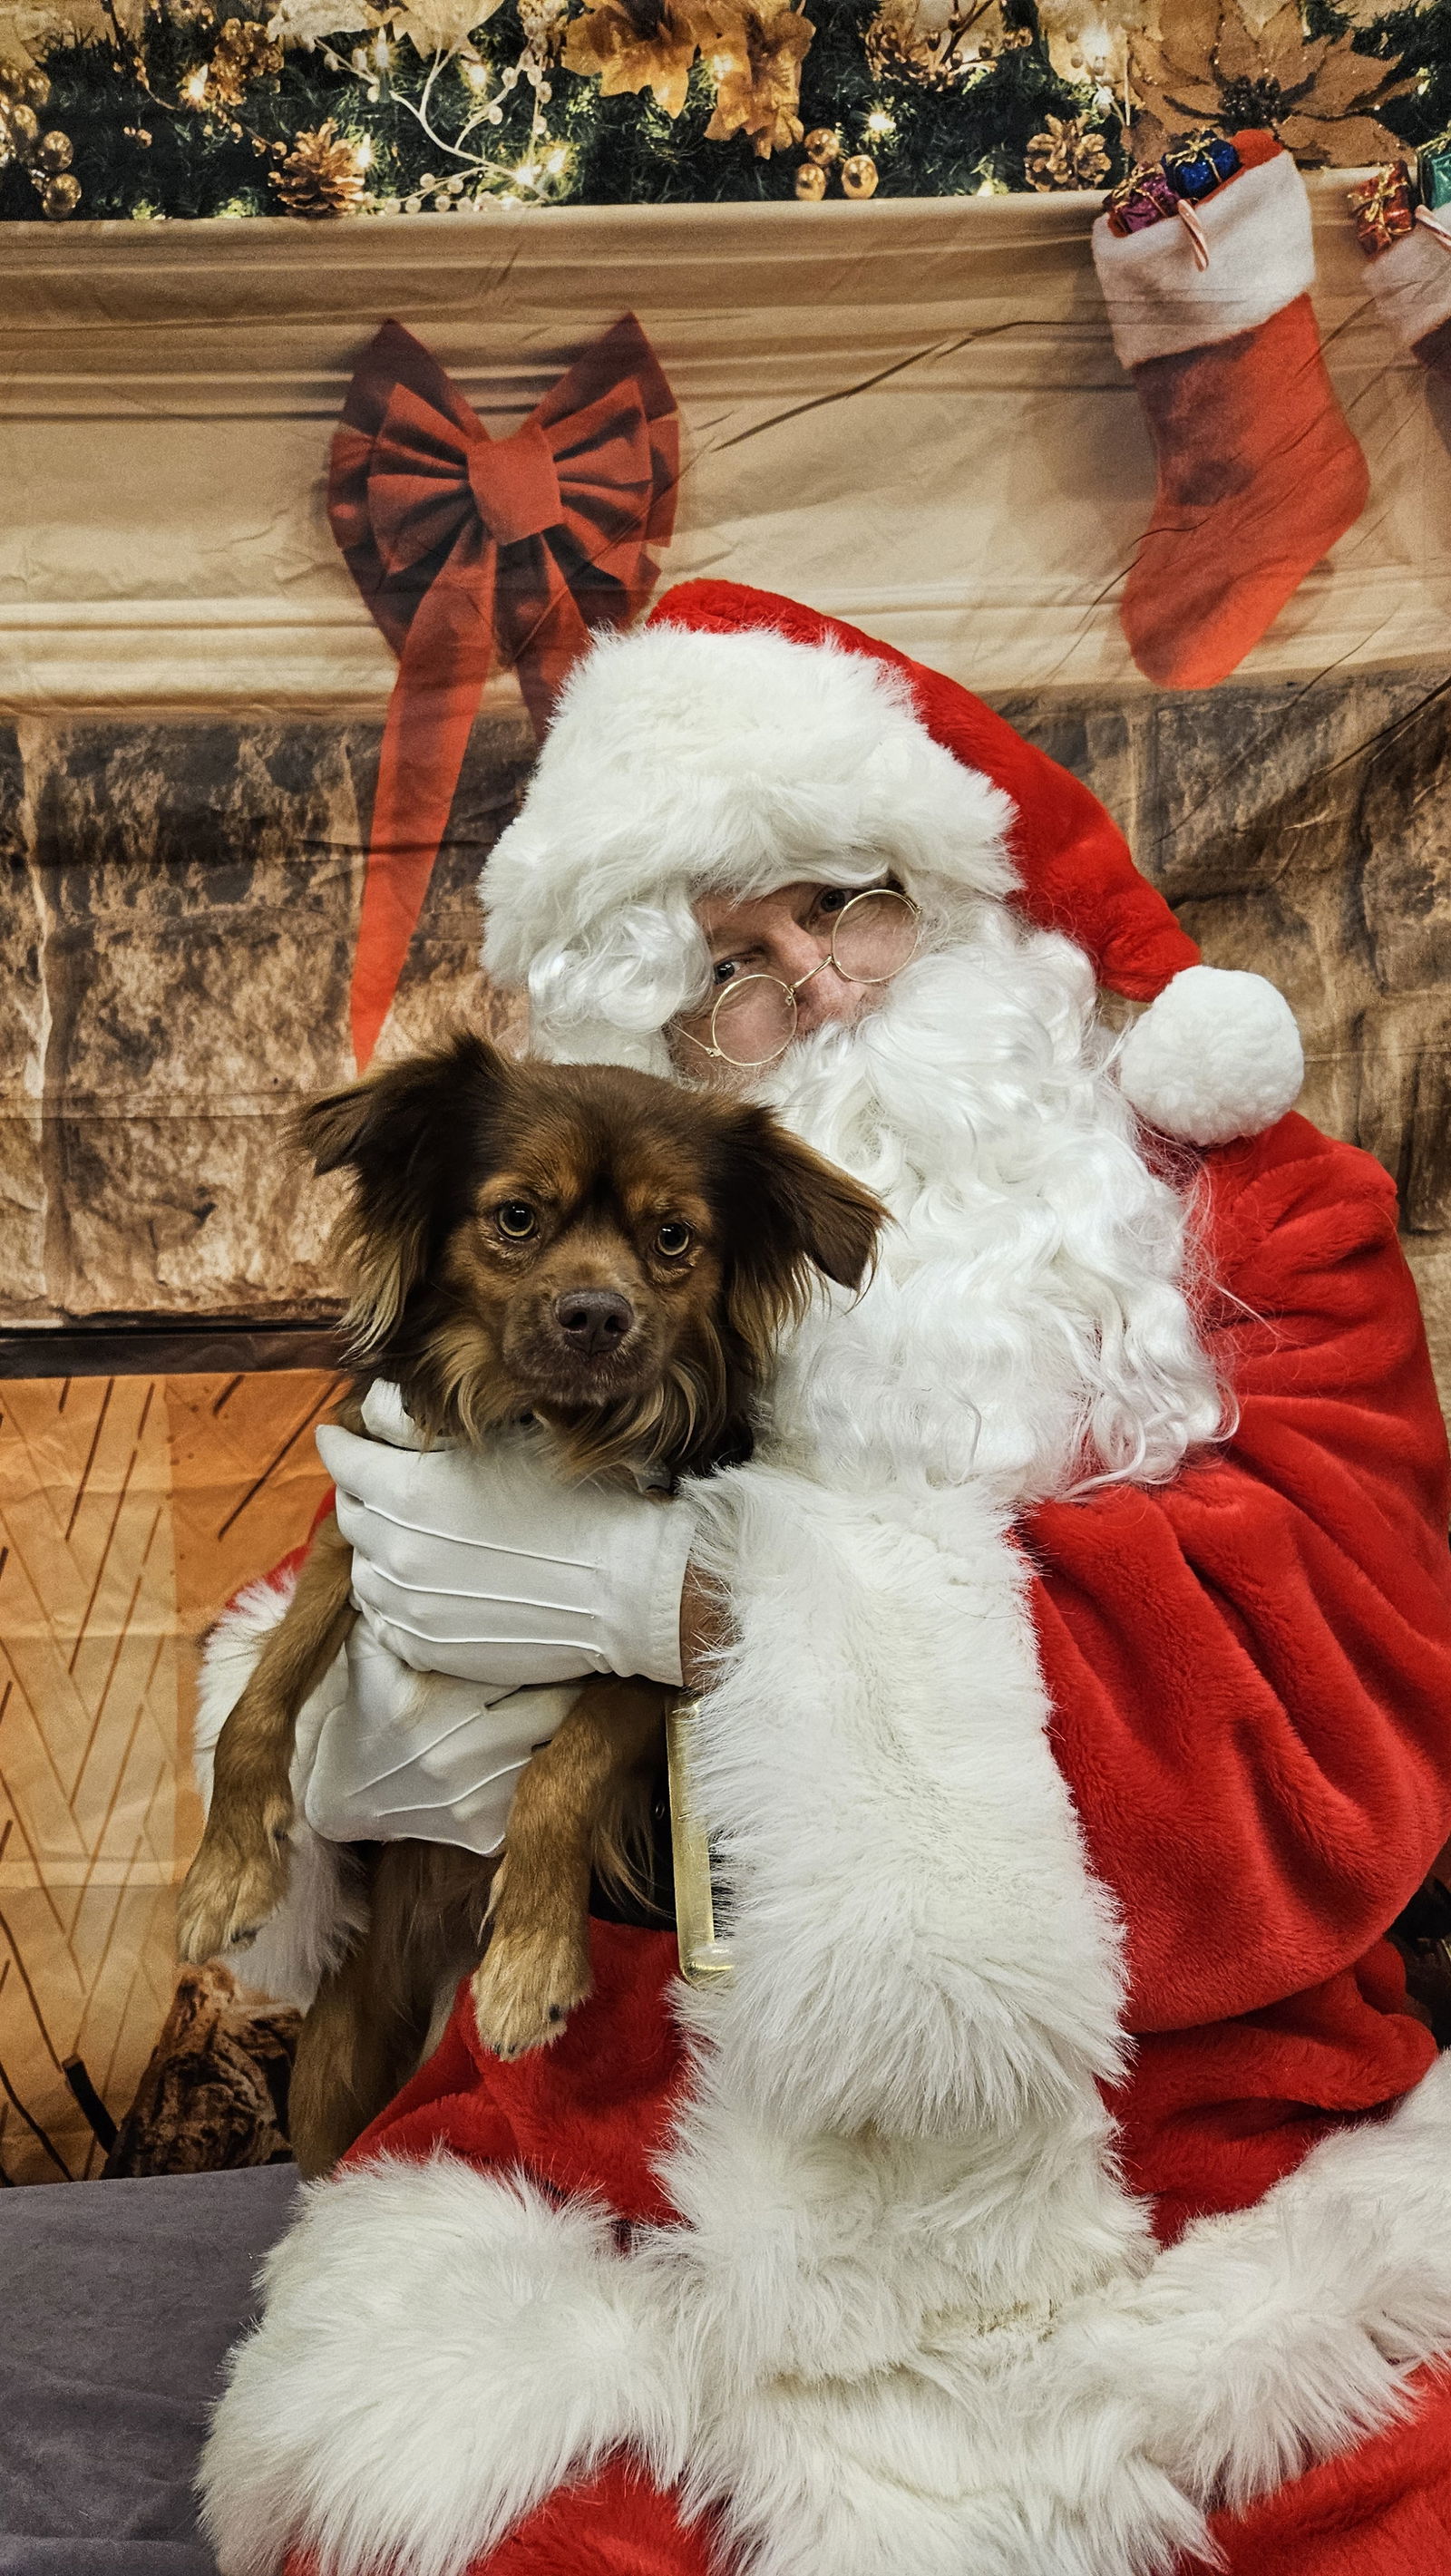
(333, 107)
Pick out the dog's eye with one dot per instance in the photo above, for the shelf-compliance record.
(673, 1239)
(517, 1220)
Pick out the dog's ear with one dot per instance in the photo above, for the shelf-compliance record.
(404, 1136)
(789, 1215)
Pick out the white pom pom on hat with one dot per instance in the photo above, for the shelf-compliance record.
(1215, 1055)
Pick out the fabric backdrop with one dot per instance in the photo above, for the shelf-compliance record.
(907, 413)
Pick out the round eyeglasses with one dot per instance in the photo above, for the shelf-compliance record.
(753, 1022)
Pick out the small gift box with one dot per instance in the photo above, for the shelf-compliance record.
(1144, 197)
(1434, 161)
(1199, 164)
(1383, 208)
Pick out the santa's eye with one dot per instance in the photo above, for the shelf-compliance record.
(516, 1220)
(673, 1239)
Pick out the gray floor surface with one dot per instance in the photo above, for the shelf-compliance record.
(118, 2301)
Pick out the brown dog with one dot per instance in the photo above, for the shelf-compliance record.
(615, 1257)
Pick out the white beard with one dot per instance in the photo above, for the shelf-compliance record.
(1027, 1327)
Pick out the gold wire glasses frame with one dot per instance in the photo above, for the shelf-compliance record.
(886, 934)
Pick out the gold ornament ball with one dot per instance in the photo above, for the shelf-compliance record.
(12, 80)
(810, 183)
(60, 197)
(36, 90)
(859, 176)
(24, 127)
(53, 151)
(823, 146)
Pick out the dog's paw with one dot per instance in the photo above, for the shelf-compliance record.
(229, 1892)
(528, 1986)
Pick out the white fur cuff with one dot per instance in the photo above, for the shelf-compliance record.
(1261, 256)
(439, 2351)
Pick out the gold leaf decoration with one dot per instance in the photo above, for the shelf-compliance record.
(756, 51)
(243, 53)
(633, 45)
(1213, 65)
(440, 26)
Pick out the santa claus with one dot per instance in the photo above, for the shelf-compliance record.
(1059, 2182)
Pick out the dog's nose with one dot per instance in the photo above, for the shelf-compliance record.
(593, 1320)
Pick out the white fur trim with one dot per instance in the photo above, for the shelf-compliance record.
(439, 2351)
(441, 2348)
(1095, 2441)
(1278, 2336)
(307, 1934)
(683, 761)
(1217, 1055)
(1411, 283)
(1261, 256)
(977, 1949)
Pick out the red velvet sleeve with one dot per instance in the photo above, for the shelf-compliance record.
(1250, 1667)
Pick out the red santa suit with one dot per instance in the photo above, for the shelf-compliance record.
(1060, 2183)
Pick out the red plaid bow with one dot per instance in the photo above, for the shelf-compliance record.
(465, 546)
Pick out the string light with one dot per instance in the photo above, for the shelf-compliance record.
(194, 87)
(880, 124)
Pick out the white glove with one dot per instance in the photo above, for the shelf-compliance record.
(417, 1757)
(489, 1566)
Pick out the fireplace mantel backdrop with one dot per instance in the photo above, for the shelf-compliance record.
(909, 411)
(906, 412)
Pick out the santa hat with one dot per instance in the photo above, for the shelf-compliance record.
(738, 741)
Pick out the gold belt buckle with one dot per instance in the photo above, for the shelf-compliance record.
(704, 1960)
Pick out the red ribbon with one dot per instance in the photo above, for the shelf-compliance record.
(465, 547)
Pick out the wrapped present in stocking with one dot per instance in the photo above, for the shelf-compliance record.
(1409, 250)
(1258, 472)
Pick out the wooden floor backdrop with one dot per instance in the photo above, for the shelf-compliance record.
(129, 1508)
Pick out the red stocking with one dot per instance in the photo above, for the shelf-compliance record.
(1258, 472)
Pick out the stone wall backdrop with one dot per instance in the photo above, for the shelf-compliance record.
(1305, 831)
(178, 932)
(179, 904)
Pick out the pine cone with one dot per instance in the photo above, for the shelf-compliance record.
(1066, 157)
(320, 176)
(937, 59)
(244, 52)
